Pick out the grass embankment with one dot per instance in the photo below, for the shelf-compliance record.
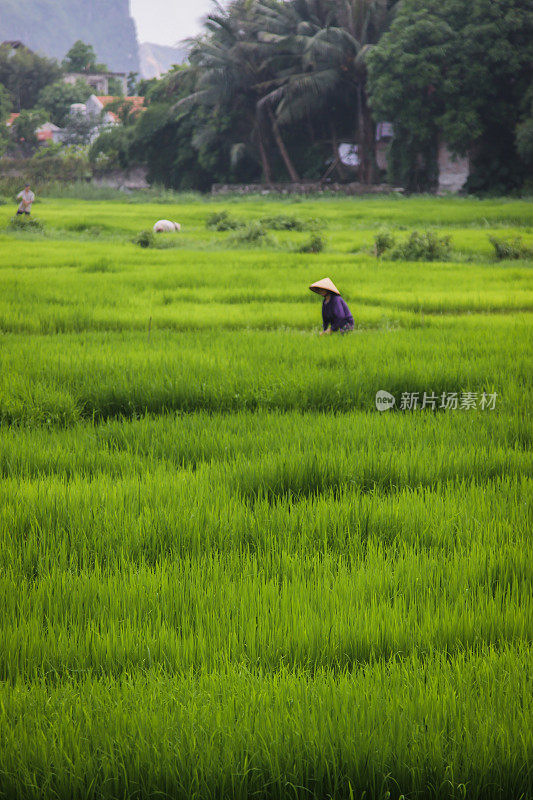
(223, 572)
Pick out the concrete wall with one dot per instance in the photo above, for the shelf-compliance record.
(302, 188)
(453, 172)
(98, 81)
(381, 154)
(134, 178)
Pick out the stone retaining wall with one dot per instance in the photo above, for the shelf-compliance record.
(134, 178)
(303, 188)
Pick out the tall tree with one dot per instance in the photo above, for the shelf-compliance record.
(227, 70)
(24, 129)
(458, 71)
(81, 58)
(283, 31)
(24, 74)
(319, 49)
(58, 97)
(365, 21)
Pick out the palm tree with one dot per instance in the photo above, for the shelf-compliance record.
(365, 21)
(272, 64)
(283, 31)
(318, 50)
(227, 67)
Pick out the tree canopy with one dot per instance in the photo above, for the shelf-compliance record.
(24, 74)
(58, 97)
(24, 128)
(457, 72)
(273, 87)
(82, 58)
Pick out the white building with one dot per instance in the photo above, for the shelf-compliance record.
(99, 81)
(96, 109)
(49, 133)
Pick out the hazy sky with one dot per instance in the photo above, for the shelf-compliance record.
(168, 21)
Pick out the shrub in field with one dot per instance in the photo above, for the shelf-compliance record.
(285, 222)
(145, 239)
(506, 249)
(223, 221)
(252, 234)
(21, 222)
(425, 246)
(315, 244)
(382, 242)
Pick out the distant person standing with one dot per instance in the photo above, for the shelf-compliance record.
(26, 197)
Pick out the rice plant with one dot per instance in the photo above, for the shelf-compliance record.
(223, 572)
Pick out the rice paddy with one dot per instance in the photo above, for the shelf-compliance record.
(223, 572)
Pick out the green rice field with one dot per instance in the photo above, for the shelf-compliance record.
(223, 572)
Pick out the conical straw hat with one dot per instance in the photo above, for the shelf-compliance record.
(325, 283)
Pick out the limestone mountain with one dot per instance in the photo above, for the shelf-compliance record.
(51, 27)
(156, 59)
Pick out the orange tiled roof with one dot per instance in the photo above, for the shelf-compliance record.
(11, 119)
(137, 102)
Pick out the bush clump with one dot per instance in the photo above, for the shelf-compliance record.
(315, 244)
(21, 222)
(223, 221)
(383, 241)
(285, 222)
(425, 246)
(505, 249)
(145, 239)
(253, 234)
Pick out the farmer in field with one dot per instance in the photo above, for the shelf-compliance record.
(336, 315)
(26, 197)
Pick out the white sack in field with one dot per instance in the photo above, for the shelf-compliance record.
(166, 226)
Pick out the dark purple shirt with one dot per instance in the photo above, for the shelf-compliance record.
(335, 313)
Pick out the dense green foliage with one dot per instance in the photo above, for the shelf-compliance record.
(56, 99)
(425, 246)
(251, 103)
(458, 71)
(272, 88)
(82, 58)
(510, 248)
(224, 574)
(5, 105)
(24, 128)
(33, 86)
(24, 74)
(58, 167)
(5, 108)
